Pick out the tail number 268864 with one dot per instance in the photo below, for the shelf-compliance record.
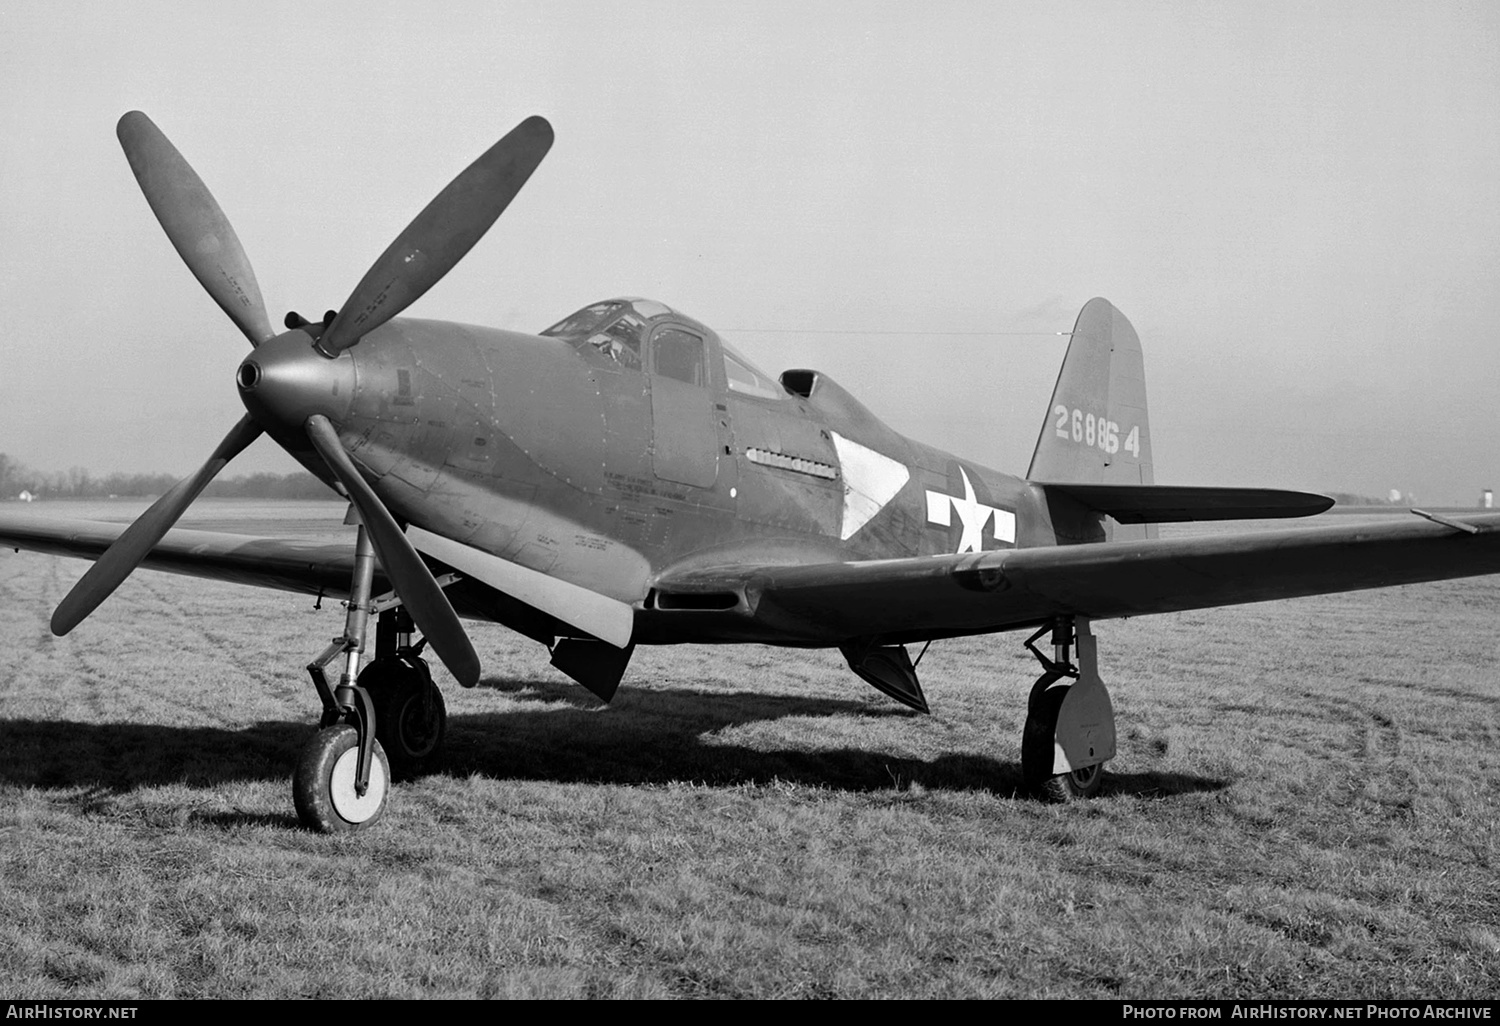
(1078, 426)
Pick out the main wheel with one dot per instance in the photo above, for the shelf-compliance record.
(1037, 741)
(323, 786)
(1083, 783)
(410, 714)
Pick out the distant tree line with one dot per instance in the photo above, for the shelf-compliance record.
(78, 483)
(1347, 499)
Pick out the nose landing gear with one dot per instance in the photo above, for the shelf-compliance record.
(384, 723)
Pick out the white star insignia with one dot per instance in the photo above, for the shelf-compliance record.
(972, 516)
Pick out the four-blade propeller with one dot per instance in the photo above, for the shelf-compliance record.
(193, 221)
(422, 254)
(440, 235)
(131, 547)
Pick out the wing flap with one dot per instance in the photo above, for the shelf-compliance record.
(605, 618)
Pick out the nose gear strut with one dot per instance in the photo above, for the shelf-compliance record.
(332, 786)
(345, 772)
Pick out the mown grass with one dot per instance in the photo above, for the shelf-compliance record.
(1304, 805)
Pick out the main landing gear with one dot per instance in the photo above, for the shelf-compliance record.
(1070, 723)
(384, 723)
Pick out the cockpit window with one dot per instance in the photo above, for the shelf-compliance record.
(745, 378)
(612, 329)
(649, 308)
(589, 319)
(615, 330)
(620, 341)
(678, 354)
(592, 318)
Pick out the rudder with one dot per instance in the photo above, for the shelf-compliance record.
(1096, 431)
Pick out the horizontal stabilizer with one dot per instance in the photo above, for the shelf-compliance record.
(1167, 504)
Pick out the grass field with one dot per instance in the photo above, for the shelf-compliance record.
(1305, 804)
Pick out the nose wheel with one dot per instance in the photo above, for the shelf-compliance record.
(325, 786)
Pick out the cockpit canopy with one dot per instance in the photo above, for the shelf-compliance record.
(620, 330)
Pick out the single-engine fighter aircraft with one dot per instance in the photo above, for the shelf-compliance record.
(626, 477)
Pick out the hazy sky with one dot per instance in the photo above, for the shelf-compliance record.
(1297, 205)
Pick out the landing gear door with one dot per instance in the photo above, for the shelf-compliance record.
(685, 437)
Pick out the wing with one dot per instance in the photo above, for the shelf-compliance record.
(325, 568)
(287, 564)
(938, 596)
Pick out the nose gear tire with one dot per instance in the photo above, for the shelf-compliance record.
(323, 786)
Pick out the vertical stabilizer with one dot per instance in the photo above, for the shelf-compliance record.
(1096, 431)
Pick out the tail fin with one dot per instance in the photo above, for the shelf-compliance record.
(1094, 455)
(1096, 430)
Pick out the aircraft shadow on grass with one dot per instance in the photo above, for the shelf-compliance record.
(651, 737)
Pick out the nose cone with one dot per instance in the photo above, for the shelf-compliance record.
(285, 381)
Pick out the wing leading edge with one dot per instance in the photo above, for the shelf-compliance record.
(286, 564)
(972, 593)
(325, 568)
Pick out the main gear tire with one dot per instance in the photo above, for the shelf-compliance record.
(411, 718)
(1038, 740)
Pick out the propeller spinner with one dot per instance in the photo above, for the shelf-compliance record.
(428, 248)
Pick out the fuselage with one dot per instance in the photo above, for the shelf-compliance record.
(628, 445)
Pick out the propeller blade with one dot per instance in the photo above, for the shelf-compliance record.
(428, 606)
(195, 224)
(136, 543)
(440, 235)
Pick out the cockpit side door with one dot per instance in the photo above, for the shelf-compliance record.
(685, 437)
